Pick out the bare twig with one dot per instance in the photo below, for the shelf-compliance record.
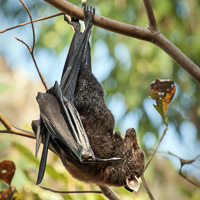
(36, 20)
(164, 132)
(31, 50)
(188, 179)
(30, 16)
(184, 162)
(11, 129)
(66, 192)
(147, 187)
(108, 193)
(28, 47)
(150, 15)
(146, 34)
(33, 58)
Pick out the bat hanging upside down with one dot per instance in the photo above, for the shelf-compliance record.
(76, 124)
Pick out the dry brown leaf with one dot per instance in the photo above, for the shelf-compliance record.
(162, 91)
(7, 171)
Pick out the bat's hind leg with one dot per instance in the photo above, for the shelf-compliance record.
(89, 12)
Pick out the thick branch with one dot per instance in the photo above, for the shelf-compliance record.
(147, 34)
(178, 56)
(103, 22)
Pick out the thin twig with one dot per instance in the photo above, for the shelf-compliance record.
(184, 162)
(147, 187)
(33, 58)
(30, 16)
(36, 20)
(66, 192)
(108, 193)
(189, 180)
(29, 48)
(13, 130)
(164, 132)
(150, 15)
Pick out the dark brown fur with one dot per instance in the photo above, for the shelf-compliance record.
(99, 124)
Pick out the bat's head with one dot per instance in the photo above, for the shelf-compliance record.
(131, 167)
(134, 160)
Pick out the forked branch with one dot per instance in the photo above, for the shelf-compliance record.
(13, 130)
(184, 162)
(150, 15)
(31, 49)
(150, 34)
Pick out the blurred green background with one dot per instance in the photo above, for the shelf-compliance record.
(126, 67)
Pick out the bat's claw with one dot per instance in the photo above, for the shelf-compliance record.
(89, 12)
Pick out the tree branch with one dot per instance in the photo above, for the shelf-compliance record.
(36, 20)
(103, 22)
(185, 162)
(178, 56)
(31, 49)
(108, 192)
(147, 187)
(150, 34)
(33, 30)
(150, 15)
(71, 192)
(187, 179)
(150, 159)
(11, 129)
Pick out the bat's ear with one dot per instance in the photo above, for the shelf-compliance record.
(133, 184)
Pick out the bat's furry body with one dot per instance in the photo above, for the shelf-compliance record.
(81, 88)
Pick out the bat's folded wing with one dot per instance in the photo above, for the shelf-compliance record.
(63, 123)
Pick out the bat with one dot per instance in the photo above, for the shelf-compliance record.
(76, 124)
